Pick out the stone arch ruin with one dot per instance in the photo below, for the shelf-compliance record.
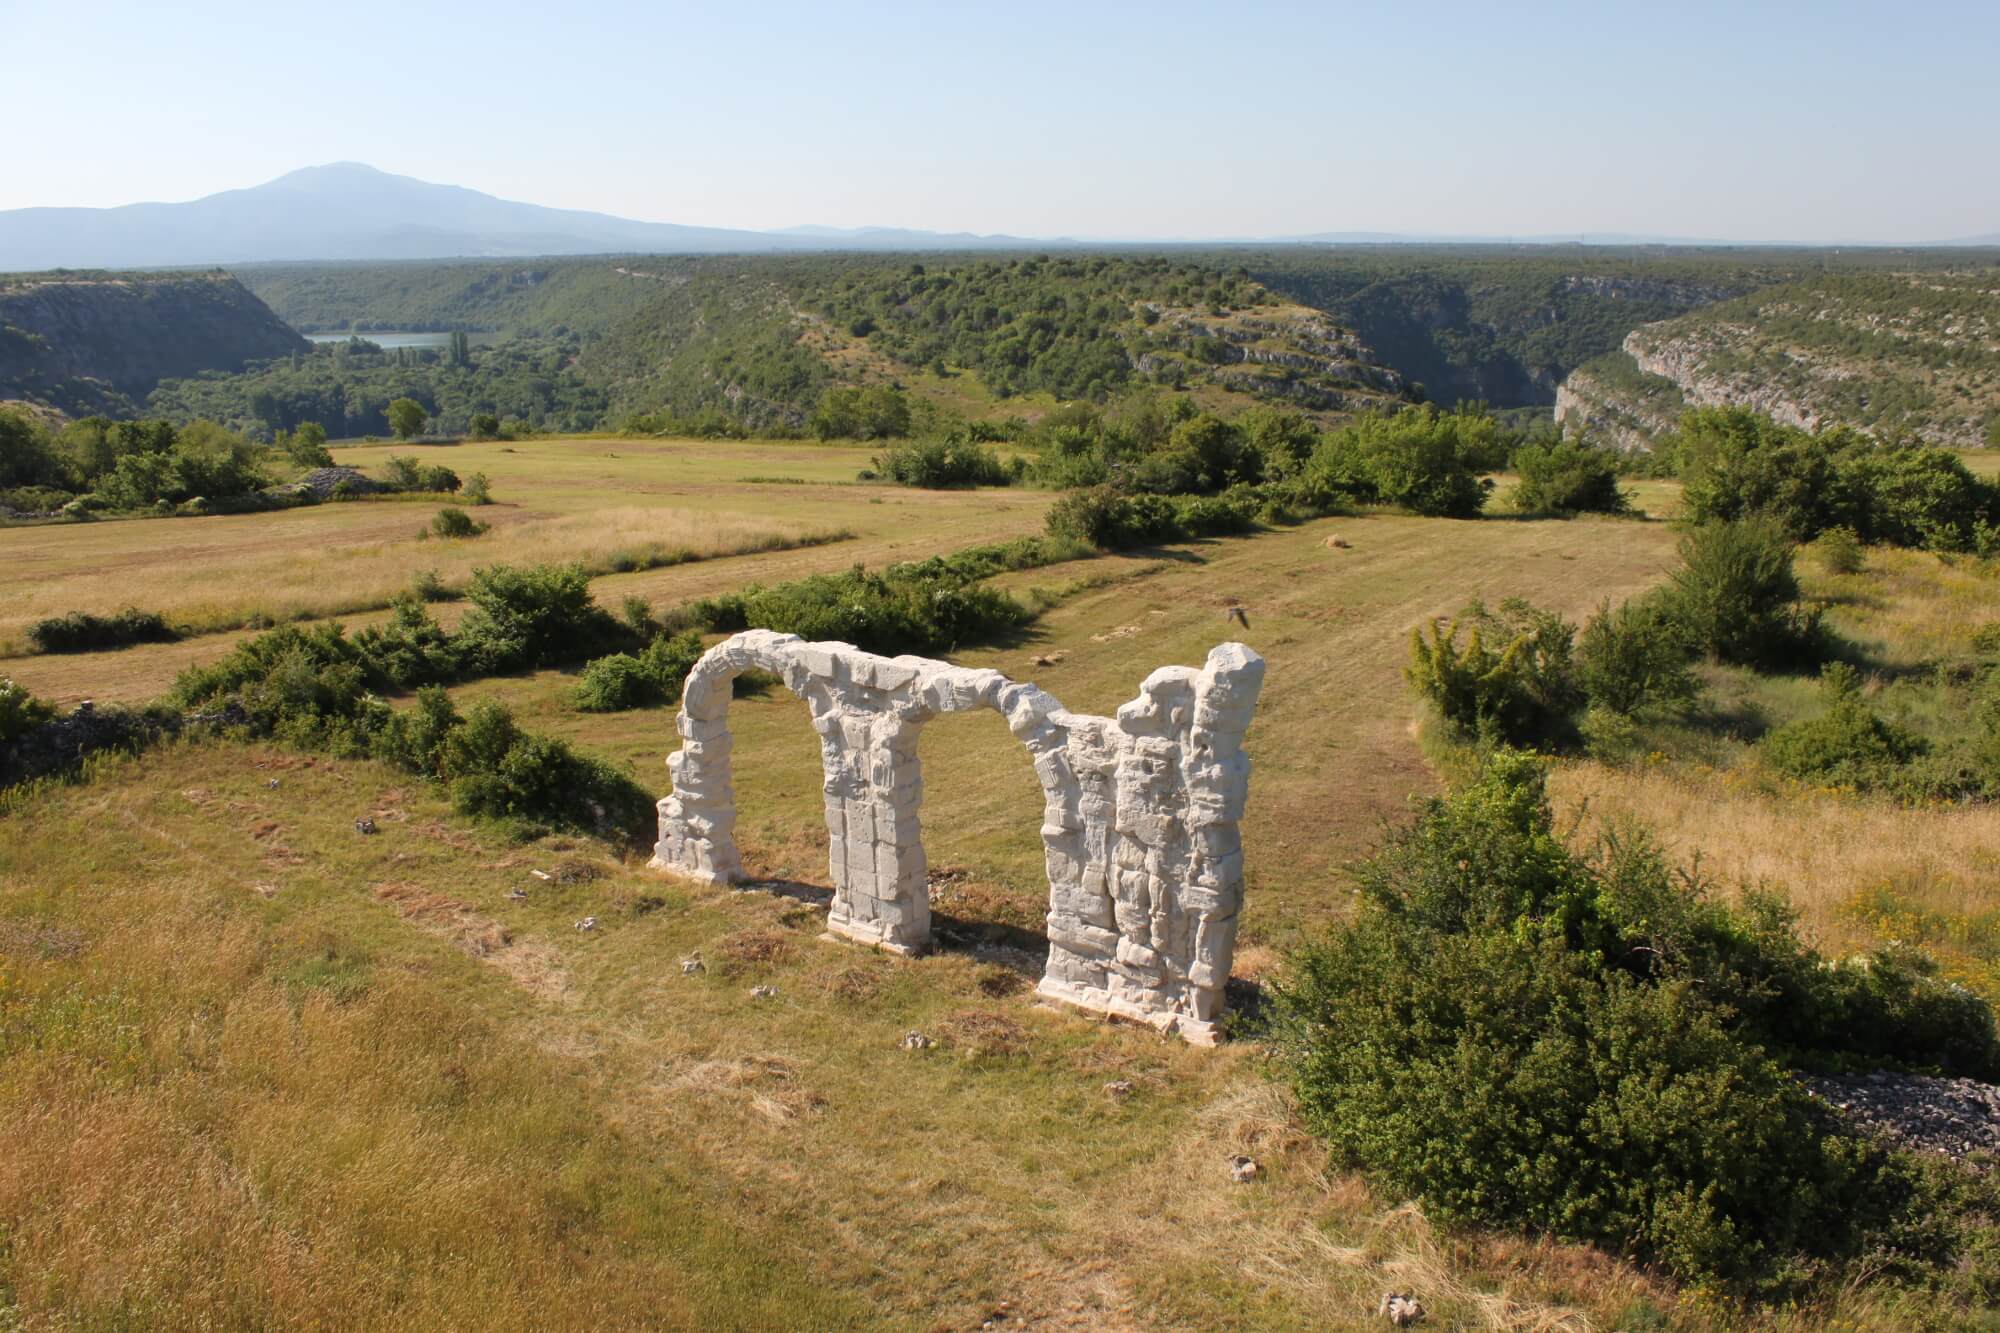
(1139, 824)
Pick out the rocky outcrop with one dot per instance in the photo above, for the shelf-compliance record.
(1893, 355)
(96, 342)
(1613, 403)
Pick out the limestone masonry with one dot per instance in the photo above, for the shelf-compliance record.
(1140, 822)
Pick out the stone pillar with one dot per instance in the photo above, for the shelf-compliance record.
(1139, 821)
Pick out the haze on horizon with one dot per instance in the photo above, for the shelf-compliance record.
(1835, 122)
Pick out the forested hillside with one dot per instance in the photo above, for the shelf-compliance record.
(1505, 325)
(97, 342)
(1895, 353)
(754, 343)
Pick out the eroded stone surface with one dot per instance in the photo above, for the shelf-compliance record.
(1139, 823)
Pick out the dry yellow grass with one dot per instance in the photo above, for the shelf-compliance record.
(346, 1105)
(334, 559)
(1823, 850)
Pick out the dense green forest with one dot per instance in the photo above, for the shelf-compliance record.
(756, 343)
(347, 388)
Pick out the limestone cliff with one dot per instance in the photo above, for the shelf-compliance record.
(1897, 355)
(98, 342)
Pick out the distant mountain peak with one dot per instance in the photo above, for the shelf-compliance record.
(355, 211)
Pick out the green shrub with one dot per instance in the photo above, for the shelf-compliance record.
(493, 768)
(1518, 1036)
(1738, 464)
(874, 413)
(625, 680)
(402, 472)
(941, 464)
(1919, 495)
(306, 446)
(1634, 658)
(1839, 550)
(1735, 596)
(20, 710)
(309, 688)
(82, 632)
(410, 649)
(1847, 745)
(532, 616)
(1514, 680)
(1110, 521)
(1568, 478)
(478, 490)
(453, 523)
(1422, 459)
(908, 610)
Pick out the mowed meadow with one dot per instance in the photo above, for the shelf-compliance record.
(608, 504)
(388, 1075)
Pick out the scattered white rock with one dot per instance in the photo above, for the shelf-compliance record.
(692, 965)
(914, 1040)
(1243, 1170)
(1118, 1089)
(542, 875)
(1953, 1116)
(273, 784)
(1401, 1309)
(364, 826)
(519, 895)
(588, 923)
(763, 992)
(1139, 823)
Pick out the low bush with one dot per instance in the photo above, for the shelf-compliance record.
(1424, 460)
(639, 680)
(20, 710)
(1635, 658)
(453, 524)
(1739, 464)
(1848, 744)
(524, 617)
(310, 688)
(1839, 549)
(82, 632)
(1736, 596)
(904, 611)
(1568, 478)
(1517, 1035)
(942, 464)
(1111, 521)
(1514, 680)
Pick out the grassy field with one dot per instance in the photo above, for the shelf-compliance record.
(584, 500)
(360, 1075)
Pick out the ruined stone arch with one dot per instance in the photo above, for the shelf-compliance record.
(1139, 820)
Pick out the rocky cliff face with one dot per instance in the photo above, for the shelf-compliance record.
(97, 342)
(1896, 355)
(1610, 401)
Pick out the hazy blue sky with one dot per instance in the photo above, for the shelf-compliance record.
(1740, 120)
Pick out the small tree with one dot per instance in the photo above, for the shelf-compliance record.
(1736, 595)
(406, 417)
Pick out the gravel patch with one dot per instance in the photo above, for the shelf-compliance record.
(1953, 1116)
